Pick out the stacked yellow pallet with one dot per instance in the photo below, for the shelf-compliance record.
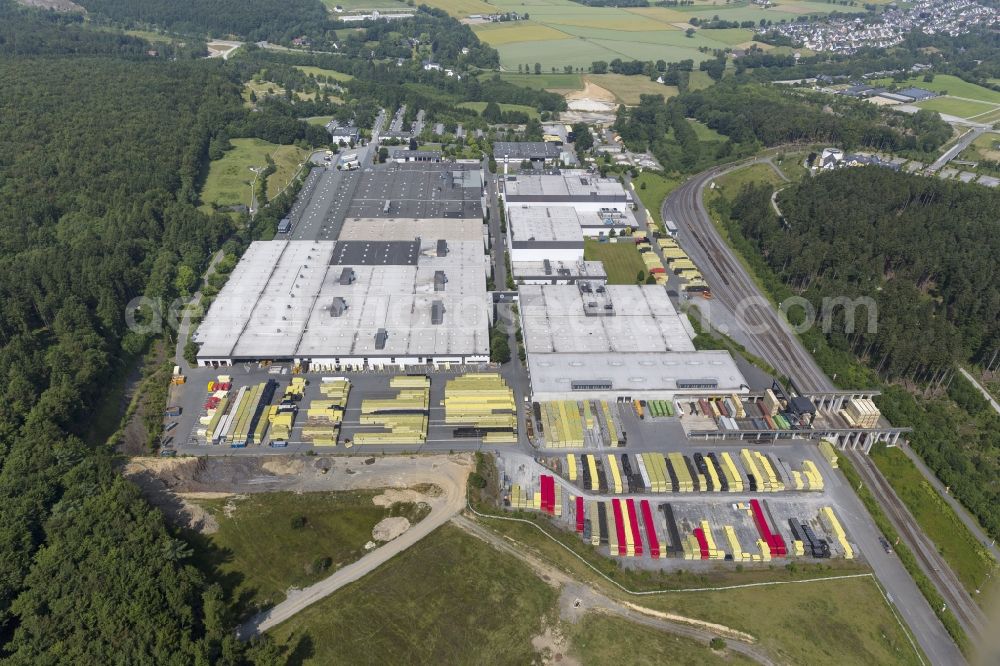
(297, 387)
(798, 548)
(404, 417)
(281, 423)
(831, 523)
(612, 531)
(714, 553)
(813, 478)
(592, 468)
(861, 413)
(614, 475)
(324, 415)
(610, 422)
(770, 483)
(685, 484)
(595, 524)
(713, 474)
(571, 467)
(738, 406)
(734, 545)
(519, 499)
(765, 552)
(321, 434)
(659, 464)
(691, 548)
(828, 451)
(482, 400)
(733, 477)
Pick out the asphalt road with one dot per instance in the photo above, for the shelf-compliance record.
(769, 336)
(957, 149)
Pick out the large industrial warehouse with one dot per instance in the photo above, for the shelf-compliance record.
(352, 304)
(596, 341)
(580, 189)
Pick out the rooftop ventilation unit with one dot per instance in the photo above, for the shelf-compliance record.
(442, 248)
(347, 276)
(548, 266)
(440, 279)
(437, 313)
(381, 336)
(338, 307)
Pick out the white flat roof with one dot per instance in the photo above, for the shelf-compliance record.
(544, 224)
(570, 184)
(277, 304)
(560, 269)
(644, 320)
(633, 372)
(613, 216)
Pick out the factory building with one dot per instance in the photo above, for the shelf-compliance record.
(598, 341)
(352, 305)
(580, 189)
(558, 272)
(537, 233)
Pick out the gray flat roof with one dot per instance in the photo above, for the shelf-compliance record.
(554, 319)
(525, 150)
(569, 185)
(610, 216)
(375, 253)
(389, 228)
(555, 374)
(531, 224)
(418, 190)
(277, 304)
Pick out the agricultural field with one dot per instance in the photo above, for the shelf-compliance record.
(699, 80)
(448, 599)
(628, 89)
(267, 543)
(730, 184)
(545, 81)
(561, 32)
(464, 8)
(351, 5)
(621, 260)
(318, 71)
(479, 106)
(957, 545)
(947, 84)
(963, 108)
(228, 181)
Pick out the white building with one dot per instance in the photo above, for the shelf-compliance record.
(582, 190)
(536, 233)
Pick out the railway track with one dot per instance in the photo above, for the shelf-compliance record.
(961, 604)
(773, 340)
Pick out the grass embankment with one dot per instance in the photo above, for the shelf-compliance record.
(269, 542)
(964, 554)
(479, 106)
(229, 179)
(803, 623)
(600, 640)
(621, 260)
(449, 599)
(653, 188)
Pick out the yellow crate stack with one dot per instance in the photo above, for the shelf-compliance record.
(771, 482)
(592, 468)
(662, 476)
(732, 474)
(713, 474)
(571, 466)
(749, 461)
(829, 520)
(610, 422)
(482, 400)
(595, 524)
(798, 548)
(765, 552)
(734, 545)
(684, 481)
(614, 475)
(403, 417)
(612, 531)
(629, 540)
(691, 547)
(811, 473)
(714, 552)
(829, 452)
(281, 423)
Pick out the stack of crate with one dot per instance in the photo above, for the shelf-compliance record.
(484, 401)
(404, 416)
(830, 521)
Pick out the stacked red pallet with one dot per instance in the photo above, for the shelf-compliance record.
(699, 534)
(548, 494)
(579, 514)
(616, 506)
(774, 541)
(651, 538)
(633, 519)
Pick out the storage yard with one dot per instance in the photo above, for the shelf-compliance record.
(747, 506)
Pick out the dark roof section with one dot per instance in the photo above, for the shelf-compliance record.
(442, 247)
(419, 190)
(526, 150)
(440, 280)
(437, 312)
(375, 253)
